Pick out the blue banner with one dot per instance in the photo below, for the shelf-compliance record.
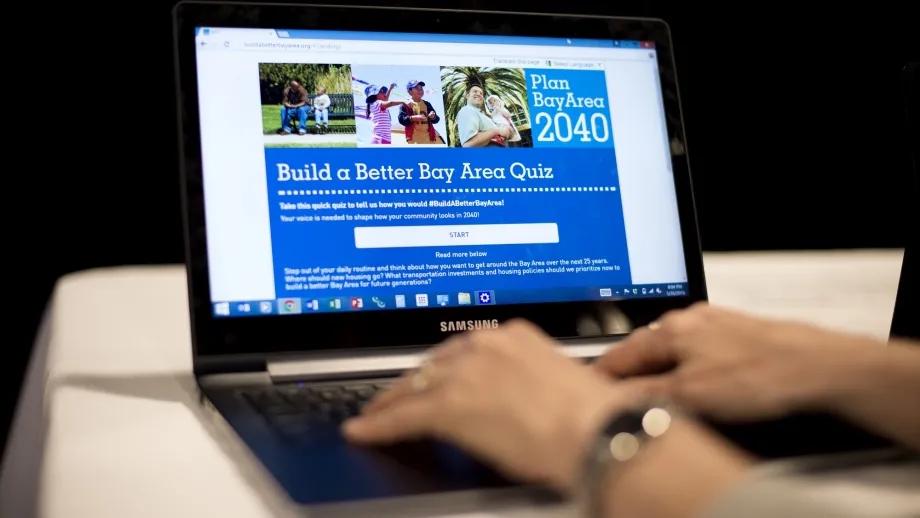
(358, 222)
(568, 109)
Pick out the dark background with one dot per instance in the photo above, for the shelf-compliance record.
(794, 127)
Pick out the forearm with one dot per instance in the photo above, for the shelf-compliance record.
(481, 139)
(679, 475)
(879, 390)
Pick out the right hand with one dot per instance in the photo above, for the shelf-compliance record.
(734, 367)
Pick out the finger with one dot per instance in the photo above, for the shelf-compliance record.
(657, 347)
(719, 393)
(400, 389)
(450, 348)
(435, 367)
(642, 352)
(650, 386)
(409, 419)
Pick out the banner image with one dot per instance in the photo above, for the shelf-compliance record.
(307, 105)
(486, 106)
(398, 105)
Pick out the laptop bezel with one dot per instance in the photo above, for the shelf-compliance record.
(256, 337)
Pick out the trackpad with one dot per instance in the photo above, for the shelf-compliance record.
(439, 465)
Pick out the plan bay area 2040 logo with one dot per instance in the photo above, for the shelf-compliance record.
(468, 325)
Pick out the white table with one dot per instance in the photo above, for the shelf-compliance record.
(121, 436)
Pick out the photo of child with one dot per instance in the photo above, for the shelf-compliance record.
(378, 102)
(408, 112)
(502, 117)
(321, 109)
(486, 107)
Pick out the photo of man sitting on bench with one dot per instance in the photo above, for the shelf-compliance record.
(293, 117)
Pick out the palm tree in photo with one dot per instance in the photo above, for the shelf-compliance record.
(508, 84)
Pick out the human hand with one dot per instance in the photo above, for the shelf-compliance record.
(505, 395)
(735, 367)
(504, 131)
(431, 115)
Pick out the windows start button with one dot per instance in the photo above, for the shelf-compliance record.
(456, 235)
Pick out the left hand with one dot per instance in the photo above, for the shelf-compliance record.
(735, 367)
(505, 395)
(431, 115)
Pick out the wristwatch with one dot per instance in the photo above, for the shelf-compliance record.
(621, 438)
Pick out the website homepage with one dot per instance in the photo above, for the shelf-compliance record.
(343, 173)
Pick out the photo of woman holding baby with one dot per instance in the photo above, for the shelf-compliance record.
(486, 107)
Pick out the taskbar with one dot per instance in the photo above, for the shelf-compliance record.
(342, 302)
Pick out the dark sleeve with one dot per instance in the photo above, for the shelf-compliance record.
(437, 118)
(404, 116)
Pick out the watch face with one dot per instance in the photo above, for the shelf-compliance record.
(619, 441)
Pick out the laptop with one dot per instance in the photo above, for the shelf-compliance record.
(359, 183)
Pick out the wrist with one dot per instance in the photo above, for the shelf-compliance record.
(838, 380)
(664, 478)
(578, 432)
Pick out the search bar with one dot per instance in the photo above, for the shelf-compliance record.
(456, 235)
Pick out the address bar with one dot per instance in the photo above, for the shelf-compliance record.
(277, 45)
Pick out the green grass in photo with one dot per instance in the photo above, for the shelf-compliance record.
(271, 120)
(311, 144)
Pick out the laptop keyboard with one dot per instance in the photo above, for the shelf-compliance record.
(299, 410)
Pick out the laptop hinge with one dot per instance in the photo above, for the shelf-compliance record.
(348, 366)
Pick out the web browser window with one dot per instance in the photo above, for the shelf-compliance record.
(364, 171)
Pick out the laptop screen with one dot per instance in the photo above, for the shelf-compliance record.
(358, 171)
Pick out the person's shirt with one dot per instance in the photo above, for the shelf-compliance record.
(877, 484)
(295, 96)
(416, 109)
(470, 121)
(380, 117)
(321, 101)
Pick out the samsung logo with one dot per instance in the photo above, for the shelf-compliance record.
(468, 325)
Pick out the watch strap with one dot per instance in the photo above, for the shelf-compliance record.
(620, 439)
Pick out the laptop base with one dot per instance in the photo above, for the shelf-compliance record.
(321, 470)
